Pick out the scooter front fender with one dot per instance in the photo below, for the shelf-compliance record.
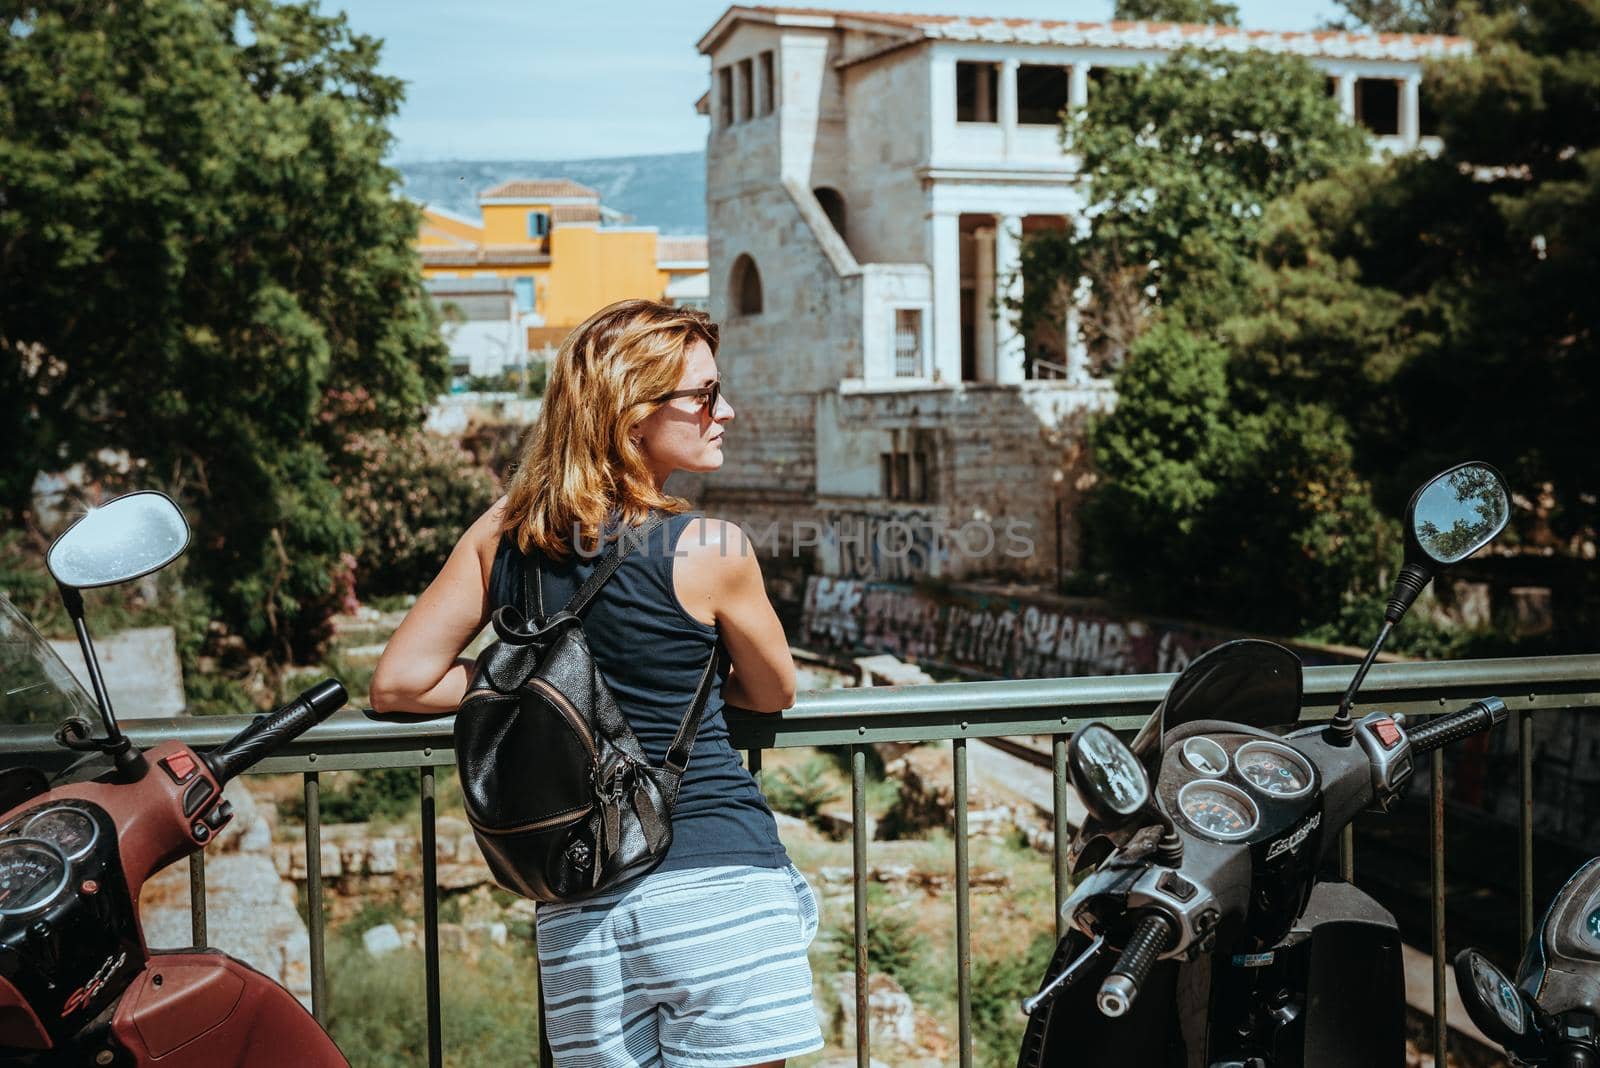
(203, 1009)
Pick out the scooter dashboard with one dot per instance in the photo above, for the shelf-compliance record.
(1236, 788)
(68, 935)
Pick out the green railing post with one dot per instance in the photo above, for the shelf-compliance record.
(314, 918)
(197, 898)
(963, 908)
(1525, 825)
(1063, 841)
(1347, 852)
(858, 842)
(1441, 1034)
(430, 919)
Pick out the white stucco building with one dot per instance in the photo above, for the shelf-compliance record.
(869, 180)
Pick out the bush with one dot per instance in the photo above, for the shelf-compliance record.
(801, 793)
(894, 947)
(383, 793)
(413, 495)
(998, 984)
(489, 1009)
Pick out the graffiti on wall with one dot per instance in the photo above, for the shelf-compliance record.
(1003, 636)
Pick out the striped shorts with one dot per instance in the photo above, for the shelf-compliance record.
(703, 968)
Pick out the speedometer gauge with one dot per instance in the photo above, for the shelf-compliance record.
(1220, 810)
(32, 874)
(68, 829)
(1205, 756)
(1273, 769)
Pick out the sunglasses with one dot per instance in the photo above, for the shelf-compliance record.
(710, 393)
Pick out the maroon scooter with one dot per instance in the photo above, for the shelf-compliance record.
(78, 984)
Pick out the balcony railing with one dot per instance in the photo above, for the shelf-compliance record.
(952, 712)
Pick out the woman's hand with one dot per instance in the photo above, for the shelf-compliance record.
(421, 669)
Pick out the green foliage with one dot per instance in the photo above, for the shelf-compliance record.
(1204, 12)
(1350, 329)
(413, 494)
(527, 382)
(894, 947)
(204, 262)
(1264, 496)
(802, 792)
(382, 793)
(998, 985)
(1182, 158)
(489, 1007)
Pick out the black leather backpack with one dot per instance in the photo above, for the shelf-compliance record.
(560, 795)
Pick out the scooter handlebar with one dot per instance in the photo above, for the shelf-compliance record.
(1476, 717)
(1151, 938)
(262, 737)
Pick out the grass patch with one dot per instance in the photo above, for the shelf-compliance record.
(490, 1009)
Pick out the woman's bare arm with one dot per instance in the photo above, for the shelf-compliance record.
(421, 669)
(718, 579)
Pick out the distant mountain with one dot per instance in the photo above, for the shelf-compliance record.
(666, 191)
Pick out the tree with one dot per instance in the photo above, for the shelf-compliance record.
(1204, 12)
(1182, 157)
(204, 262)
(1211, 508)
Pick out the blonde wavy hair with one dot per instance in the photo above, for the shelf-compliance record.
(580, 463)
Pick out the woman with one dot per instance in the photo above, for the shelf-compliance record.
(703, 960)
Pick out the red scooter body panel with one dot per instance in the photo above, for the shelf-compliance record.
(19, 1026)
(207, 1010)
(152, 829)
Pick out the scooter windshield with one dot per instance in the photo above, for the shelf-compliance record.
(35, 686)
(1249, 681)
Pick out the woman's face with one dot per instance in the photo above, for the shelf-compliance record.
(685, 434)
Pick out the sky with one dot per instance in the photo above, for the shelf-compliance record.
(578, 79)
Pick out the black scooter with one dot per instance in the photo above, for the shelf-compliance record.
(1551, 1015)
(1200, 933)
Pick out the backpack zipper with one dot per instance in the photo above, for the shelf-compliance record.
(570, 816)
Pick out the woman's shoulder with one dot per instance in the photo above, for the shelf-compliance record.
(705, 538)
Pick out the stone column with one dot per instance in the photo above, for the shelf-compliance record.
(1078, 85)
(1345, 87)
(944, 256)
(1077, 353)
(983, 326)
(1410, 109)
(1008, 105)
(1008, 343)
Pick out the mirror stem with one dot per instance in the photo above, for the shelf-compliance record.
(128, 759)
(1407, 585)
(1340, 729)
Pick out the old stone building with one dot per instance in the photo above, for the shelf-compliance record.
(869, 180)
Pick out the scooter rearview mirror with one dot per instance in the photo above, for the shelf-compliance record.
(1491, 1000)
(121, 540)
(1451, 516)
(1108, 777)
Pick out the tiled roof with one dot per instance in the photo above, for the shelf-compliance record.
(682, 250)
(574, 213)
(1157, 35)
(533, 188)
(490, 256)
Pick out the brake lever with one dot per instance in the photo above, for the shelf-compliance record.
(1062, 981)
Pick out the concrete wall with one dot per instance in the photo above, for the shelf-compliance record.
(886, 143)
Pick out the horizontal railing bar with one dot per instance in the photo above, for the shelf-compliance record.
(352, 741)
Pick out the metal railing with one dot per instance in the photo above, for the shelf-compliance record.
(858, 718)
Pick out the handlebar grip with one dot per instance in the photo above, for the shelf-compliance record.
(239, 753)
(1119, 989)
(1478, 716)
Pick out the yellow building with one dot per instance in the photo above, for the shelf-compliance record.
(549, 254)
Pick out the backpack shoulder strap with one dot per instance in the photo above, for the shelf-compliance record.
(678, 756)
(627, 541)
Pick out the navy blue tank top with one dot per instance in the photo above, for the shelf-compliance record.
(652, 653)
